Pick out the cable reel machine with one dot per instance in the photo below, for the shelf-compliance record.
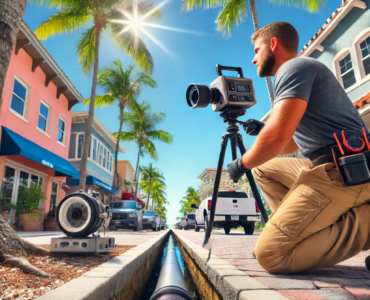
(81, 216)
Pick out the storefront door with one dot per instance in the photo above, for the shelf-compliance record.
(14, 178)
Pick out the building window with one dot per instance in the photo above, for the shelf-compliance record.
(346, 71)
(72, 147)
(18, 103)
(94, 149)
(61, 131)
(365, 51)
(43, 117)
(80, 145)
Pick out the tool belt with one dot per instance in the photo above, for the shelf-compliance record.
(353, 164)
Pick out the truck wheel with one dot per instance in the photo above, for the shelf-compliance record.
(227, 230)
(249, 228)
(196, 227)
(136, 227)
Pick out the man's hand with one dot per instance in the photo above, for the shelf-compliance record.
(253, 127)
(236, 170)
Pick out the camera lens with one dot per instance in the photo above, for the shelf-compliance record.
(198, 95)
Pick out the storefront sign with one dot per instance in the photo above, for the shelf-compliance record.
(48, 164)
(101, 184)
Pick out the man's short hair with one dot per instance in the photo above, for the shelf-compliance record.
(286, 34)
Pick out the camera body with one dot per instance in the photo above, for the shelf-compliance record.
(224, 92)
(235, 92)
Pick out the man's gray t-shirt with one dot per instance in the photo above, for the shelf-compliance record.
(328, 110)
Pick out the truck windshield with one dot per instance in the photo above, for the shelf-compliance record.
(124, 205)
(149, 213)
(233, 195)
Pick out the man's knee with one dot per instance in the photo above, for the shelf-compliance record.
(269, 252)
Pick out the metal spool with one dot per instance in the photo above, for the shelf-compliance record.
(78, 214)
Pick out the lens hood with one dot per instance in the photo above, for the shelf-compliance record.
(198, 95)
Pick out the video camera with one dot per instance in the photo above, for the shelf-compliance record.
(224, 92)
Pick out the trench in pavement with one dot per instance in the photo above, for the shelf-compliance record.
(153, 279)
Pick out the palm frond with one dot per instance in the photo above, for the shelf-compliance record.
(134, 47)
(60, 4)
(125, 136)
(207, 4)
(101, 101)
(86, 49)
(64, 21)
(150, 148)
(160, 135)
(234, 12)
(310, 5)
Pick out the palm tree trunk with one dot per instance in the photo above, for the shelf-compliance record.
(11, 14)
(136, 174)
(87, 140)
(115, 179)
(257, 27)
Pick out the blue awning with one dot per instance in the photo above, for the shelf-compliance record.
(15, 144)
(94, 181)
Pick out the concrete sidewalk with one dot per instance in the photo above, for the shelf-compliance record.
(347, 280)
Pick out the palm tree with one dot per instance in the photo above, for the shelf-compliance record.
(76, 14)
(159, 194)
(141, 124)
(191, 197)
(149, 176)
(234, 11)
(121, 86)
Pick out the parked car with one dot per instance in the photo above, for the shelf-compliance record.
(163, 224)
(233, 209)
(180, 223)
(188, 222)
(126, 215)
(151, 220)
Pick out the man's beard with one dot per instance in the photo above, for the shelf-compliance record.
(268, 63)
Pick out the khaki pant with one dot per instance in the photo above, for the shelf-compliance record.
(316, 221)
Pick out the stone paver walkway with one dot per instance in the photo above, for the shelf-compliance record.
(347, 280)
(123, 237)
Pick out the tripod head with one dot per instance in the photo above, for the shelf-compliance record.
(230, 115)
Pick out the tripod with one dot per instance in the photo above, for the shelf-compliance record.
(230, 116)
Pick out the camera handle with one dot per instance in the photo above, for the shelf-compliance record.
(219, 69)
(236, 141)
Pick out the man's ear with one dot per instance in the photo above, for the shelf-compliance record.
(273, 44)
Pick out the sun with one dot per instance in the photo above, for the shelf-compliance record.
(137, 24)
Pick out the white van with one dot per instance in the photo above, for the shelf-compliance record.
(233, 209)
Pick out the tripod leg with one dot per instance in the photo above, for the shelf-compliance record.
(252, 183)
(225, 139)
(233, 142)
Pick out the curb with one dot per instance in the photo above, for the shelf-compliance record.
(114, 278)
(229, 282)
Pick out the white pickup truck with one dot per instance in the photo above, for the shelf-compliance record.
(233, 209)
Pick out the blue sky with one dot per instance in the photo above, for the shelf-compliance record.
(197, 132)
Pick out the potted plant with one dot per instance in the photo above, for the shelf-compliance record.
(50, 222)
(27, 206)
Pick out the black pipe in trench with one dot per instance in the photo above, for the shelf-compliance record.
(171, 284)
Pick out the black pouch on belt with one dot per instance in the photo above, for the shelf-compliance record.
(353, 168)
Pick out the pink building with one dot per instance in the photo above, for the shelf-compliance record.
(35, 121)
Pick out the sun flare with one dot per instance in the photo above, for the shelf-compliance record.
(137, 23)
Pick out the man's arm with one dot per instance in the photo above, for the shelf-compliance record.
(290, 148)
(277, 133)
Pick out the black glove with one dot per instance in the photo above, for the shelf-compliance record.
(236, 170)
(253, 127)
